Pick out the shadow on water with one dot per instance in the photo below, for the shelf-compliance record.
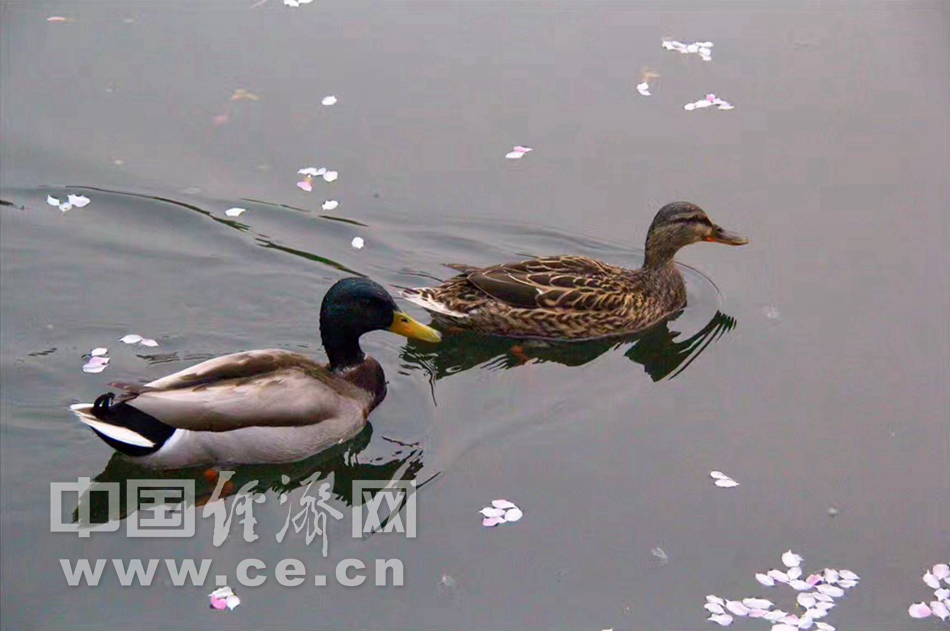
(341, 465)
(658, 349)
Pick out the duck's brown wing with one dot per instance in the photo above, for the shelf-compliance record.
(567, 282)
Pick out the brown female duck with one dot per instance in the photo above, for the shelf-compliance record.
(574, 297)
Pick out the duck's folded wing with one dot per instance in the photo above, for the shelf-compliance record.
(565, 289)
(234, 366)
(285, 397)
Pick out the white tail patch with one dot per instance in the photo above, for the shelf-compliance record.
(115, 432)
(416, 297)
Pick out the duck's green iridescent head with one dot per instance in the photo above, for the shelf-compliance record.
(354, 306)
(678, 224)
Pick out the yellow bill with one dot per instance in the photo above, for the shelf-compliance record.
(407, 327)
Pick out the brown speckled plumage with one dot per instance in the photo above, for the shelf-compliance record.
(574, 297)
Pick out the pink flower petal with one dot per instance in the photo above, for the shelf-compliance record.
(522, 149)
(492, 521)
(919, 610)
(814, 579)
(219, 603)
(941, 570)
(491, 512)
(305, 185)
(503, 504)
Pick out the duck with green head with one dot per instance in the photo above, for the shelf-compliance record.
(575, 297)
(262, 406)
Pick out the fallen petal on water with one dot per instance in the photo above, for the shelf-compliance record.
(779, 576)
(723, 619)
(831, 590)
(715, 599)
(218, 603)
(99, 351)
(661, 555)
(795, 572)
(824, 626)
(305, 185)
(831, 576)
(941, 570)
(727, 483)
(232, 601)
(330, 204)
(514, 515)
(919, 610)
(514, 155)
(765, 579)
(737, 608)
(357, 243)
(806, 600)
(131, 338)
(784, 627)
(492, 521)
(52, 201)
(643, 88)
(503, 504)
(790, 559)
(491, 512)
(329, 100)
(849, 575)
(65, 206)
(847, 584)
(931, 580)
(942, 594)
(800, 585)
(148, 342)
(235, 212)
(814, 579)
(757, 603)
(940, 610)
(311, 171)
(714, 608)
(78, 200)
(330, 176)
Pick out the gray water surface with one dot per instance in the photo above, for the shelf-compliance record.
(810, 365)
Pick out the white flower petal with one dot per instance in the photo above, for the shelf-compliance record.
(806, 622)
(95, 365)
(714, 608)
(330, 176)
(806, 600)
(848, 575)
(718, 475)
(330, 204)
(99, 351)
(513, 515)
(689, 106)
(942, 594)
(824, 626)
(847, 584)
(784, 627)
(931, 581)
(643, 88)
(940, 610)
(727, 483)
(78, 200)
(779, 576)
(491, 522)
(831, 590)
(823, 598)
(775, 615)
(328, 100)
(723, 619)
(715, 599)
(492, 512)
(941, 570)
(757, 603)
(131, 338)
(148, 342)
(52, 201)
(919, 610)
(800, 585)
(357, 243)
(794, 572)
(504, 504)
(737, 608)
(831, 576)
(235, 212)
(312, 171)
(765, 579)
(321, 171)
(790, 559)
(514, 155)
(233, 601)
(221, 592)
(65, 206)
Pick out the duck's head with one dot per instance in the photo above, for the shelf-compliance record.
(354, 306)
(678, 224)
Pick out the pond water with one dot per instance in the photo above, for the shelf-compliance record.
(811, 365)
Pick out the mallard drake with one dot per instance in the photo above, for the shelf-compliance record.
(575, 297)
(262, 406)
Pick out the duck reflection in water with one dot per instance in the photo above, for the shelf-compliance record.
(658, 349)
(339, 466)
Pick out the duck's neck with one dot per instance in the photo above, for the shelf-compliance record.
(344, 352)
(659, 255)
